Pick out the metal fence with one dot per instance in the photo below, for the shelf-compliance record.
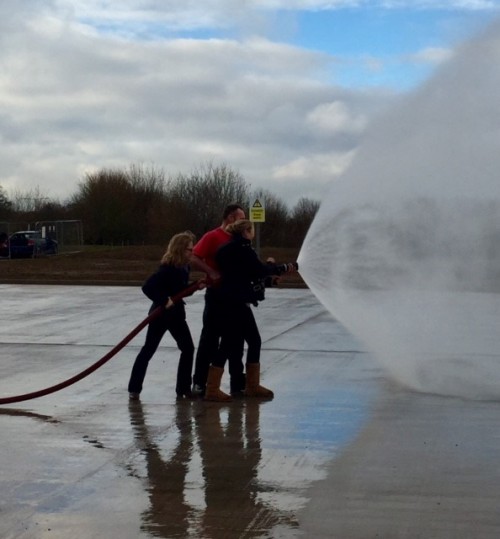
(68, 232)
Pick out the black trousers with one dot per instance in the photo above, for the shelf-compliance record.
(174, 321)
(215, 315)
(239, 327)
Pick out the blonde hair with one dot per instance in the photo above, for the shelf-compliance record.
(240, 226)
(192, 234)
(176, 249)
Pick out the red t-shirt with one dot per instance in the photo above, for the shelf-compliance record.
(209, 244)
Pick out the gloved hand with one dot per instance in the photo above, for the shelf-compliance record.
(288, 268)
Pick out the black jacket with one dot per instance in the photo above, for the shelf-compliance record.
(167, 281)
(241, 269)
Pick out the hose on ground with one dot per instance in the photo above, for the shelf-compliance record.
(198, 285)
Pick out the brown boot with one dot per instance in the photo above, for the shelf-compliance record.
(253, 387)
(213, 392)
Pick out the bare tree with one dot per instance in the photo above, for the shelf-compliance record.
(5, 205)
(204, 194)
(29, 201)
(150, 206)
(123, 206)
(139, 205)
(301, 218)
(33, 205)
(274, 231)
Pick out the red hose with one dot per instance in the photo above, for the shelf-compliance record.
(35, 394)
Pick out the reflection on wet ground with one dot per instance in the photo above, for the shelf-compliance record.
(338, 453)
(85, 463)
(229, 450)
(191, 469)
(240, 470)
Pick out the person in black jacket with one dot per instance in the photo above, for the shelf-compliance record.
(170, 279)
(241, 285)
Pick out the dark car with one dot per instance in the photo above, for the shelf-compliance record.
(4, 245)
(30, 243)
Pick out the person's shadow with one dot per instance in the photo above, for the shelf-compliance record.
(229, 444)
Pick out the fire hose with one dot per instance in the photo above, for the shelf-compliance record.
(198, 285)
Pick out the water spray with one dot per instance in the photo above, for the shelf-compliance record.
(405, 250)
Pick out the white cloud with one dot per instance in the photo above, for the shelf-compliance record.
(387, 4)
(334, 118)
(310, 175)
(71, 102)
(320, 168)
(77, 93)
(432, 55)
(149, 18)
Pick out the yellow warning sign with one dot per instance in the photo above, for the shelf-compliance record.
(257, 212)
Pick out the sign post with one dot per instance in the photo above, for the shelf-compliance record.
(257, 216)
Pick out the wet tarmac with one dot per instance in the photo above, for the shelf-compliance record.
(340, 452)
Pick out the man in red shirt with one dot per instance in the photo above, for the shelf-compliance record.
(204, 259)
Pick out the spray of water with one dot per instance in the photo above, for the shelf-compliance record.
(405, 249)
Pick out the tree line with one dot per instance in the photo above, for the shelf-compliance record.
(141, 205)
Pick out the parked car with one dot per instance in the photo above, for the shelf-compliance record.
(4, 245)
(30, 243)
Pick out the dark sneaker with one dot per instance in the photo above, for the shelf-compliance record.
(134, 396)
(185, 395)
(198, 391)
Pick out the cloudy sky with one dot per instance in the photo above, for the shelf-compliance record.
(280, 90)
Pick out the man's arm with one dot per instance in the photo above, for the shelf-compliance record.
(199, 264)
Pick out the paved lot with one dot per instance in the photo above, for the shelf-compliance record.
(340, 452)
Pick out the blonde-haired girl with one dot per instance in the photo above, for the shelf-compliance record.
(170, 279)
